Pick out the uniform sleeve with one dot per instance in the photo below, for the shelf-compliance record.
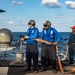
(57, 35)
(35, 35)
(69, 39)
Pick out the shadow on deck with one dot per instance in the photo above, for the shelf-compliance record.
(17, 69)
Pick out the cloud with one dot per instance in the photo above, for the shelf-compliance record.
(10, 22)
(17, 23)
(51, 3)
(70, 4)
(17, 3)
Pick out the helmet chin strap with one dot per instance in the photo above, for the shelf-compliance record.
(31, 26)
(31, 22)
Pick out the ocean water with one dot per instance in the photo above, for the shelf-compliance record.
(11, 54)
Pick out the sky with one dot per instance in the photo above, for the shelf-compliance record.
(61, 14)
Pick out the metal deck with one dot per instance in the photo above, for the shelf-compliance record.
(17, 69)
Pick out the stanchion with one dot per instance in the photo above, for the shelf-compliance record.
(20, 55)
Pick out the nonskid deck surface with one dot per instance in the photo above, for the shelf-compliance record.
(17, 69)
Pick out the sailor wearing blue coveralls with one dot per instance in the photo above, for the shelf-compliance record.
(49, 34)
(31, 46)
(71, 45)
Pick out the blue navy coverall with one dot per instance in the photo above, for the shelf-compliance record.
(49, 51)
(71, 49)
(31, 47)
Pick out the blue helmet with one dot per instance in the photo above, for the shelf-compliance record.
(32, 22)
(47, 23)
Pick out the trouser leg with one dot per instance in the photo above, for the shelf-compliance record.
(28, 60)
(44, 56)
(48, 63)
(34, 51)
(52, 56)
(71, 54)
(35, 61)
(43, 62)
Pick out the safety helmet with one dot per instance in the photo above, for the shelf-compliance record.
(47, 23)
(32, 22)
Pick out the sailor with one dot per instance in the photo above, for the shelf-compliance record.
(71, 45)
(49, 34)
(31, 46)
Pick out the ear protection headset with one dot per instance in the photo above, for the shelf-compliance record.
(31, 22)
(47, 23)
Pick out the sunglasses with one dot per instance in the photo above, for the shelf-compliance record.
(45, 25)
